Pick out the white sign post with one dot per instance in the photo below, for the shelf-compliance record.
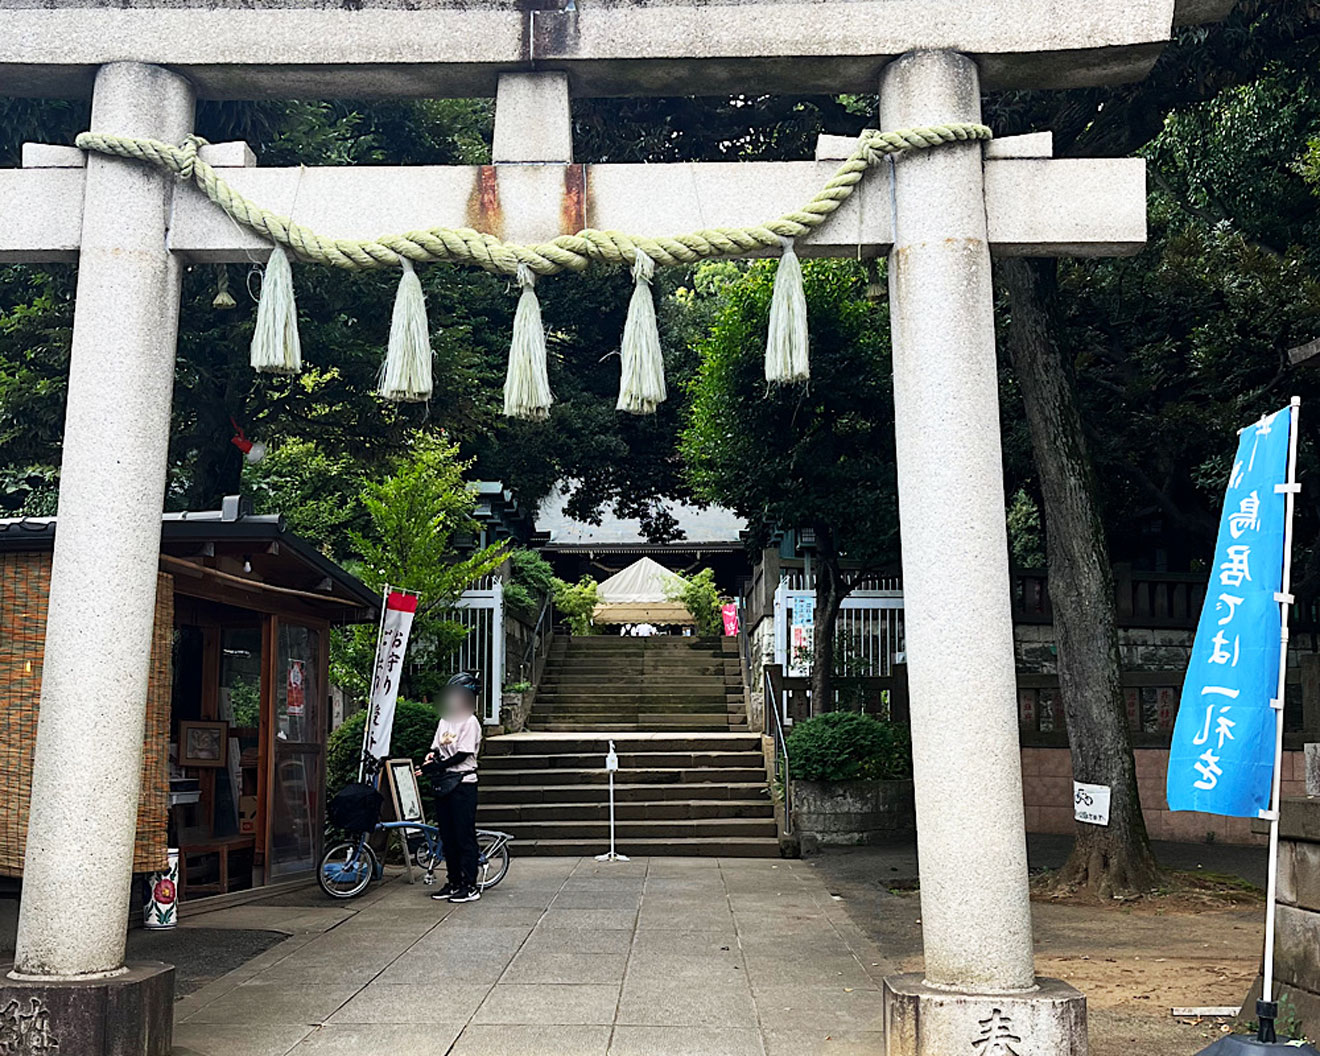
(611, 765)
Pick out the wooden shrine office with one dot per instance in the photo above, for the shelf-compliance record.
(238, 707)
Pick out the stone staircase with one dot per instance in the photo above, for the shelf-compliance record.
(691, 780)
(682, 794)
(604, 684)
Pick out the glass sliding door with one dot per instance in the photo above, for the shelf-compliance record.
(299, 738)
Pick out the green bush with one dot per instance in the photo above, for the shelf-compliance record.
(847, 746)
(414, 729)
(530, 579)
(576, 604)
(703, 600)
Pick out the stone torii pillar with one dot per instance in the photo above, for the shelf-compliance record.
(980, 983)
(102, 604)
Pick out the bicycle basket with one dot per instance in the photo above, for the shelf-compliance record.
(355, 807)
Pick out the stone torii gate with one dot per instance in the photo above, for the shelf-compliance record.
(938, 214)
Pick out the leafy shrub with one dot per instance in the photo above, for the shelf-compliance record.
(847, 746)
(531, 578)
(576, 603)
(414, 729)
(703, 600)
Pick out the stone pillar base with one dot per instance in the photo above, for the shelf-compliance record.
(131, 1014)
(920, 1020)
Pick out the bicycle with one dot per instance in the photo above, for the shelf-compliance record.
(348, 868)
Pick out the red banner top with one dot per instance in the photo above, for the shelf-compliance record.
(401, 602)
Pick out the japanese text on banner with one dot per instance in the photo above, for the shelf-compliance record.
(1222, 757)
(394, 629)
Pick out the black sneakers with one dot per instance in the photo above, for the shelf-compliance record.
(444, 894)
(472, 894)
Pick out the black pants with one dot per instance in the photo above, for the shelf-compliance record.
(456, 818)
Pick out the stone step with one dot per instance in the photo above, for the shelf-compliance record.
(541, 745)
(714, 726)
(643, 830)
(493, 792)
(617, 683)
(611, 696)
(627, 760)
(648, 776)
(495, 815)
(698, 847)
(569, 723)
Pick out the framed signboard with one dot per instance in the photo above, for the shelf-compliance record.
(203, 743)
(404, 796)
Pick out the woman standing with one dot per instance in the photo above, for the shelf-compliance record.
(452, 768)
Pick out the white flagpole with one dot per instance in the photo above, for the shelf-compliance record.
(1285, 599)
(366, 726)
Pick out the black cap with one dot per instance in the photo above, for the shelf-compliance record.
(464, 680)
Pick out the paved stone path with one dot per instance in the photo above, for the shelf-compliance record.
(567, 957)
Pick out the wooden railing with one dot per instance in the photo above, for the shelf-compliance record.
(1143, 599)
(885, 698)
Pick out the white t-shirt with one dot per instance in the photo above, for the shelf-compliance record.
(454, 737)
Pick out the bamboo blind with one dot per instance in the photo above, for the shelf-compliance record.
(24, 585)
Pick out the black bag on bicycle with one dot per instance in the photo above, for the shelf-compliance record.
(355, 807)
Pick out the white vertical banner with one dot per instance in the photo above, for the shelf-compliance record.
(391, 645)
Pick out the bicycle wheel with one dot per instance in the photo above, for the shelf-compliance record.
(346, 869)
(492, 859)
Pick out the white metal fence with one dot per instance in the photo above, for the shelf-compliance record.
(481, 611)
(868, 634)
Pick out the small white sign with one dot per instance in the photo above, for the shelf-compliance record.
(1091, 803)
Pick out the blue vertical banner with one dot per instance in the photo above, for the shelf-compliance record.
(1222, 757)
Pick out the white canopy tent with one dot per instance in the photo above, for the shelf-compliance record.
(641, 594)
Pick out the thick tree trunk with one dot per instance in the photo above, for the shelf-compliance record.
(830, 591)
(1115, 859)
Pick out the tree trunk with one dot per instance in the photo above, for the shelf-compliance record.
(1115, 859)
(830, 591)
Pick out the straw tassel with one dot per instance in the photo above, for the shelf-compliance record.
(275, 345)
(642, 384)
(527, 385)
(223, 299)
(786, 356)
(405, 376)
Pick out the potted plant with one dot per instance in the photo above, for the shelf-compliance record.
(851, 779)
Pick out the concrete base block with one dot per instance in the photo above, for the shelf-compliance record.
(920, 1020)
(131, 1014)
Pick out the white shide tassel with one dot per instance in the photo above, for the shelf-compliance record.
(786, 356)
(275, 345)
(642, 384)
(527, 385)
(406, 374)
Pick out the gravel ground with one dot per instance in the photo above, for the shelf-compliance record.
(1133, 963)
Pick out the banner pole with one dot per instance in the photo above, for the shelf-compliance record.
(1284, 599)
(366, 726)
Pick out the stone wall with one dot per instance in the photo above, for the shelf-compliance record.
(761, 642)
(1047, 796)
(1297, 931)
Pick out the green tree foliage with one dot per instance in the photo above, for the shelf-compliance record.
(847, 746)
(703, 599)
(531, 581)
(414, 730)
(415, 517)
(818, 456)
(576, 604)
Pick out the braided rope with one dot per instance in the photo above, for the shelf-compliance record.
(565, 253)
